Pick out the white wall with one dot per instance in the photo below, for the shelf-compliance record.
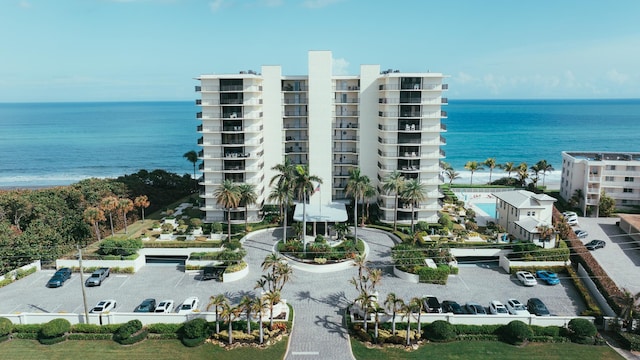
(368, 122)
(272, 122)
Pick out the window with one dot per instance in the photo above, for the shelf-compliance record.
(608, 178)
(631, 168)
(611, 167)
(627, 190)
(533, 213)
(528, 213)
(628, 178)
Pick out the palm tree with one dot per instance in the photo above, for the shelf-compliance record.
(523, 173)
(259, 305)
(284, 180)
(413, 193)
(392, 303)
(376, 308)
(229, 313)
(491, 164)
(416, 304)
(304, 188)
(125, 205)
(369, 192)
(545, 232)
(341, 230)
(365, 299)
(629, 304)
(108, 205)
(535, 172)
(407, 309)
(248, 197)
(217, 302)
(576, 198)
(272, 297)
(394, 184)
(509, 167)
(228, 196)
(142, 202)
(472, 166)
(545, 168)
(356, 185)
(281, 194)
(192, 157)
(92, 216)
(452, 175)
(247, 304)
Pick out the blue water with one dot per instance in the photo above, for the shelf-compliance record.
(61, 143)
(489, 208)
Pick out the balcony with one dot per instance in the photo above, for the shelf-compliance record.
(295, 113)
(343, 113)
(345, 150)
(198, 88)
(344, 125)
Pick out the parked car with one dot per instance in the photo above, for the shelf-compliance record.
(537, 307)
(526, 278)
(581, 234)
(475, 308)
(549, 277)
(573, 221)
(147, 305)
(165, 306)
(97, 276)
(431, 304)
(515, 307)
(103, 306)
(59, 277)
(497, 308)
(595, 244)
(449, 306)
(189, 305)
(567, 214)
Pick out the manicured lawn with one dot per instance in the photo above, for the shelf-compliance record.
(152, 350)
(490, 350)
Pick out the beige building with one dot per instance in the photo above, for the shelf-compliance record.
(378, 121)
(522, 214)
(587, 174)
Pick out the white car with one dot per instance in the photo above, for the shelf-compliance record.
(569, 213)
(103, 306)
(497, 308)
(515, 307)
(526, 278)
(189, 306)
(165, 306)
(571, 217)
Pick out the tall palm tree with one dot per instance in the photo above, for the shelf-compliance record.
(545, 167)
(394, 184)
(417, 305)
(108, 205)
(491, 164)
(452, 175)
(217, 302)
(356, 185)
(365, 299)
(280, 194)
(509, 167)
(369, 193)
(629, 304)
(392, 303)
(523, 173)
(272, 297)
(472, 166)
(142, 202)
(304, 188)
(92, 216)
(413, 192)
(228, 196)
(192, 157)
(545, 232)
(125, 205)
(259, 305)
(247, 303)
(284, 180)
(407, 309)
(248, 196)
(535, 172)
(230, 313)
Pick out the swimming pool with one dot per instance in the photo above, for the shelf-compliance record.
(488, 208)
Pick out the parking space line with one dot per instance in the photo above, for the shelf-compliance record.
(124, 282)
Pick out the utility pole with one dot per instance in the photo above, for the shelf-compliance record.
(84, 295)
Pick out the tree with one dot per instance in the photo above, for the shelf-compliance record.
(576, 198)
(108, 205)
(228, 196)
(414, 193)
(523, 173)
(282, 195)
(125, 205)
(93, 215)
(259, 305)
(304, 188)
(217, 302)
(285, 183)
(407, 309)
(491, 164)
(369, 192)
(192, 157)
(546, 232)
(545, 168)
(629, 307)
(272, 297)
(393, 303)
(509, 167)
(248, 196)
(607, 205)
(472, 166)
(356, 186)
(535, 172)
(394, 184)
(417, 305)
(141, 202)
(230, 313)
(247, 304)
(452, 175)
(364, 300)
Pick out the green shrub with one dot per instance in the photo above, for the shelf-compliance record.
(629, 341)
(5, 282)
(233, 245)
(5, 326)
(552, 331)
(463, 329)
(135, 338)
(125, 331)
(27, 328)
(582, 331)
(55, 328)
(94, 329)
(160, 328)
(90, 336)
(516, 332)
(438, 275)
(440, 330)
(195, 329)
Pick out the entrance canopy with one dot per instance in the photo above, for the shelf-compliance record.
(333, 212)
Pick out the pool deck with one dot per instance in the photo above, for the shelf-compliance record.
(471, 199)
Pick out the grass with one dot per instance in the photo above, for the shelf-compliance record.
(149, 349)
(490, 350)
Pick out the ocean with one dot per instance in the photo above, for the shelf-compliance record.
(46, 144)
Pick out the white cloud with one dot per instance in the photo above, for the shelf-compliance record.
(315, 4)
(617, 77)
(340, 66)
(24, 4)
(216, 5)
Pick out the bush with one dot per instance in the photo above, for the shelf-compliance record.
(90, 336)
(94, 329)
(27, 328)
(516, 332)
(55, 328)
(195, 329)
(582, 331)
(5, 326)
(440, 330)
(438, 275)
(125, 331)
(160, 328)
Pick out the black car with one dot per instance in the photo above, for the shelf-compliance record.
(59, 277)
(537, 307)
(449, 306)
(148, 305)
(431, 304)
(595, 244)
(475, 308)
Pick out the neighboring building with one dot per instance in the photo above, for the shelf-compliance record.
(522, 213)
(587, 174)
(251, 121)
(630, 224)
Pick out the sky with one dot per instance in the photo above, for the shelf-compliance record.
(151, 50)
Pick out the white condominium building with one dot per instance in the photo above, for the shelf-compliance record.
(378, 121)
(586, 174)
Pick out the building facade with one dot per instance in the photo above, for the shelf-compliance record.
(585, 175)
(377, 121)
(523, 214)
